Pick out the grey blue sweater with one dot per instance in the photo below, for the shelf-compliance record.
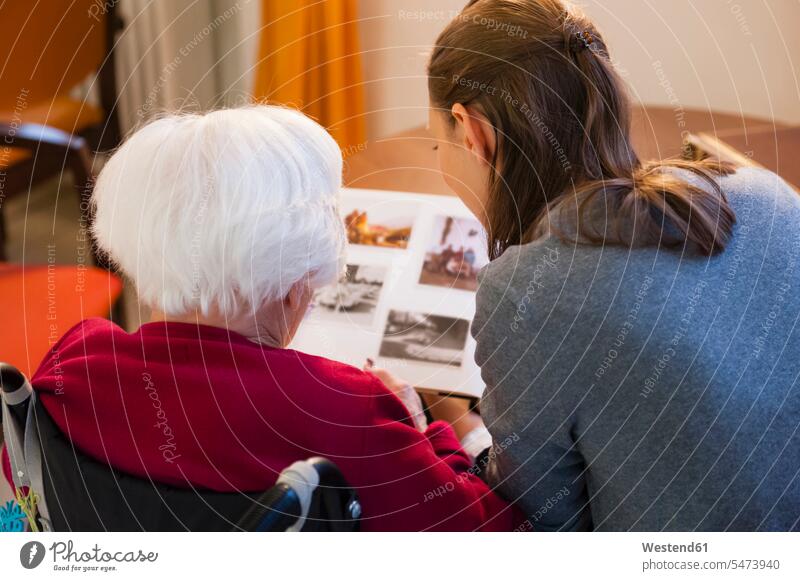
(650, 389)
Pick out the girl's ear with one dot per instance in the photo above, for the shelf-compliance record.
(479, 134)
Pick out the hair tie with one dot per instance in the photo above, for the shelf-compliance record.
(581, 41)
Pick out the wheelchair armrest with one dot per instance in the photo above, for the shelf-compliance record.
(312, 492)
(276, 510)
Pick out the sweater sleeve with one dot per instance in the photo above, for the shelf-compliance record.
(528, 407)
(424, 481)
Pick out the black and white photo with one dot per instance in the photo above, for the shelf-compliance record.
(422, 337)
(353, 299)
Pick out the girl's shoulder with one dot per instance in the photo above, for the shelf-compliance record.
(750, 186)
(525, 267)
(759, 184)
(521, 285)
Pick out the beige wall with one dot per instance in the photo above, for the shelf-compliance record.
(740, 56)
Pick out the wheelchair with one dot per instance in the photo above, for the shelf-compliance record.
(74, 492)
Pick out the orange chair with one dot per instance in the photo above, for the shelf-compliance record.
(48, 48)
(39, 304)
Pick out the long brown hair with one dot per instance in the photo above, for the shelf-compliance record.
(541, 73)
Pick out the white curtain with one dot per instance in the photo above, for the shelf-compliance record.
(193, 54)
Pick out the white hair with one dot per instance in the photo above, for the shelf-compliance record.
(225, 210)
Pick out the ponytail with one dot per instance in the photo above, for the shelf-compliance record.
(653, 203)
(564, 137)
(659, 205)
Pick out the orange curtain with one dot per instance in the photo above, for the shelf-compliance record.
(309, 59)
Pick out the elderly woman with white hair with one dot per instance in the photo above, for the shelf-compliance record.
(226, 223)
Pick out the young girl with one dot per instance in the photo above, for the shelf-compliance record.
(636, 328)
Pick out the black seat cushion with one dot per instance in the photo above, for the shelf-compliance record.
(85, 495)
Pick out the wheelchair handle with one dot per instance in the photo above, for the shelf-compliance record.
(11, 379)
(16, 391)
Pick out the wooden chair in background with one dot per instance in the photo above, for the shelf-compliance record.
(46, 50)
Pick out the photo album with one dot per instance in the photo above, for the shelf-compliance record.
(407, 297)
